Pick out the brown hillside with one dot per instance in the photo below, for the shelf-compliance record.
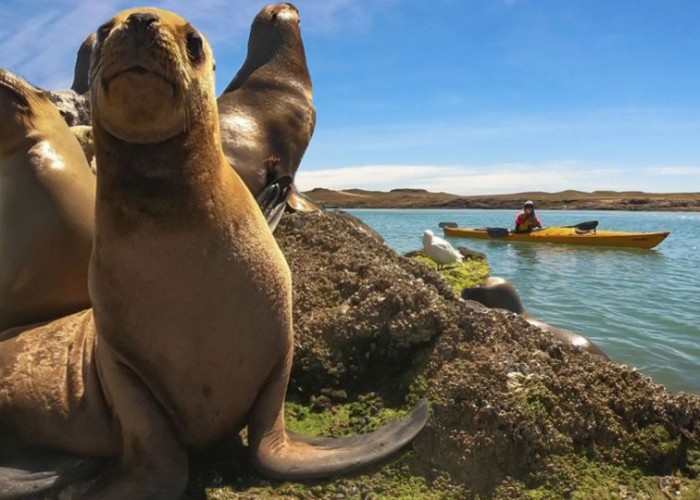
(564, 200)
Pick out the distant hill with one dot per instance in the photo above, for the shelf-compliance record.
(564, 200)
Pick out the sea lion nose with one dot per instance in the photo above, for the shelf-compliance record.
(139, 21)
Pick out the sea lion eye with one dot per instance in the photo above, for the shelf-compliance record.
(194, 46)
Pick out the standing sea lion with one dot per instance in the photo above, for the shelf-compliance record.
(47, 198)
(267, 114)
(190, 337)
(81, 72)
(500, 293)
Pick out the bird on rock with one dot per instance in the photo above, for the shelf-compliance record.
(439, 250)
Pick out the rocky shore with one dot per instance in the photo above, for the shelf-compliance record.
(565, 200)
(514, 413)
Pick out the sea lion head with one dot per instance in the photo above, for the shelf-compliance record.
(81, 72)
(150, 76)
(496, 292)
(20, 105)
(276, 27)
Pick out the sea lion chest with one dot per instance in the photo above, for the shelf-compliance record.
(198, 307)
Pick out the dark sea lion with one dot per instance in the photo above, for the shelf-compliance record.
(190, 337)
(267, 114)
(81, 72)
(500, 293)
(47, 197)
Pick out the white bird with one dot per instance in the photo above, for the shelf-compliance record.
(439, 250)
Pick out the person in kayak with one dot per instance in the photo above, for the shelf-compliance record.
(527, 220)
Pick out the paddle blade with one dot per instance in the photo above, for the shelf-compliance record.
(589, 225)
(497, 232)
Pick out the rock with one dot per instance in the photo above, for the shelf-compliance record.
(74, 107)
(509, 402)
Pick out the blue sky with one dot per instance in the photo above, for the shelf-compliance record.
(466, 97)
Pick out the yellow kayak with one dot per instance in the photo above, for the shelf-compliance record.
(566, 235)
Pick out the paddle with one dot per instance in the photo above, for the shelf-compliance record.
(502, 232)
(448, 224)
(589, 225)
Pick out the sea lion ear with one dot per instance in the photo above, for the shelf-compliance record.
(213, 65)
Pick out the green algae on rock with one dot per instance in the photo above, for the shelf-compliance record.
(470, 272)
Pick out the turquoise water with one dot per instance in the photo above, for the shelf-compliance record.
(641, 306)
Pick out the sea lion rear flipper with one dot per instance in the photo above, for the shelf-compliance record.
(273, 198)
(46, 472)
(301, 457)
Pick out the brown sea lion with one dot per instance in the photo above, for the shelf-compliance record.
(267, 114)
(47, 197)
(190, 337)
(83, 133)
(499, 293)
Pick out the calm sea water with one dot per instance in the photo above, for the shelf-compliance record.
(641, 306)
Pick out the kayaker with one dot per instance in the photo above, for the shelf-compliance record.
(527, 220)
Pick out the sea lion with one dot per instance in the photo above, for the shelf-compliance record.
(81, 72)
(190, 337)
(267, 113)
(47, 197)
(83, 133)
(499, 293)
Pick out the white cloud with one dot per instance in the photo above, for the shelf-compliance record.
(488, 179)
(679, 171)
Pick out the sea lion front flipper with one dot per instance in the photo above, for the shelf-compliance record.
(297, 202)
(299, 457)
(273, 199)
(46, 472)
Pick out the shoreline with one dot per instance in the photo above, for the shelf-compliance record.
(565, 200)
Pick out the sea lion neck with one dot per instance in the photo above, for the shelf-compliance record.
(269, 56)
(147, 177)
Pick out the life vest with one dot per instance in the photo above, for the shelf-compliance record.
(525, 222)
